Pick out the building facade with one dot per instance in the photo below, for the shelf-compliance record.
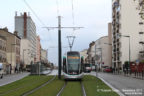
(102, 52)
(109, 44)
(38, 55)
(25, 53)
(99, 52)
(26, 29)
(84, 54)
(12, 50)
(3, 59)
(127, 31)
(91, 53)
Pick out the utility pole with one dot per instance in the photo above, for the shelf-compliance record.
(59, 47)
(95, 62)
(59, 42)
(71, 42)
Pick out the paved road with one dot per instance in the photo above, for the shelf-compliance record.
(54, 72)
(127, 85)
(11, 78)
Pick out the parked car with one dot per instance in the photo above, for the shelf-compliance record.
(87, 67)
(108, 69)
(1, 70)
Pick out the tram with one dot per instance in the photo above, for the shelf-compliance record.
(72, 65)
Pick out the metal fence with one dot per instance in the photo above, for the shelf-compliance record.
(37, 68)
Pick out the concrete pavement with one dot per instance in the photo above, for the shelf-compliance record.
(11, 78)
(127, 85)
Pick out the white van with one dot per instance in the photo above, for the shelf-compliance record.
(1, 70)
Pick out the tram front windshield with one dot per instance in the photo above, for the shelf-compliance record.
(73, 63)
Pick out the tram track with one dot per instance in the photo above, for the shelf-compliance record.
(59, 93)
(5, 93)
(66, 84)
(32, 91)
(83, 89)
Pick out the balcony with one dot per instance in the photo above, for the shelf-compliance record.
(117, 39)
(140, 23)
(118, 24)
(114, 41)
(113, 14)
(117, 49)
(141, 42)
(113, 23)
(141, 52)
(114, 50)
(118, 9)
(114, 29)
(141, 32)
(118, 44)
(118, 58)
(116, 4)
(117, 30)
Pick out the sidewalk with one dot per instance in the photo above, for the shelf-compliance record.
(127, 85)
(13, 77)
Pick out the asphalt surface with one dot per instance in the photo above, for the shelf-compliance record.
(129, 86)
(54, 72)
(11, 78)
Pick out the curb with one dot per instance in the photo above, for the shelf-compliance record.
(114, 89)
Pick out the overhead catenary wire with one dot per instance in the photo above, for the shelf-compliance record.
(34, 13)
(73, 12)
(43, 24)
(73, 16)
(58, 11)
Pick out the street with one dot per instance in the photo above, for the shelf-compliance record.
(54, 72)
(127, 85)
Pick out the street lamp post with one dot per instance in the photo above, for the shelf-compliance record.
(95, 59)
(129, 48)
(95, 62)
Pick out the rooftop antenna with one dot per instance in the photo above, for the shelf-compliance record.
(15, 13)
(71, 41)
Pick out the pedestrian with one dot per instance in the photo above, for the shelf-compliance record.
(120, 70)
(10, 68)
(16, 71)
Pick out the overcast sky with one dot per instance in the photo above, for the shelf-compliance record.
(93, 15)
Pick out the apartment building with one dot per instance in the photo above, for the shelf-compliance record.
(26, 29)
(102, 52)
(127, 31)
(84, 54)
(12, 50)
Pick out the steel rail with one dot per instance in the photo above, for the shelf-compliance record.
(83, 89)
(30, 92)
(59, 93)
